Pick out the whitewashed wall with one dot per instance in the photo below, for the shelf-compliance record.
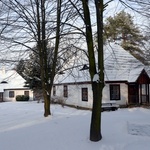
(123, 94)
(16, 92)
(75, 97)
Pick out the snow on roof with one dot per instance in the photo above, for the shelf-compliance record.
(11, 80)
(73, 75)
(147, 69)
(119, 65)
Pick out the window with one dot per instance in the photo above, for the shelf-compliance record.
(11, 94)
(85, 94)
(26, 93)
(143, 86)
(54, 91)
(114, 92)
(65, 91)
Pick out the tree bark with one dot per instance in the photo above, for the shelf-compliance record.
(42, 48)
(57, 41)
(54, 63)
(95, 130)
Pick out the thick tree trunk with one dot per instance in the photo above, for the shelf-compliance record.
(95, 128)
(46, 105)
(53, 71)
(42, 48)
(45, 74)
(47, 101)
(95, 131)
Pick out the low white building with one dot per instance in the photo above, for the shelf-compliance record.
(11, 85)
(126, 81)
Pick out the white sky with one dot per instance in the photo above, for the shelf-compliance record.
(113, 8)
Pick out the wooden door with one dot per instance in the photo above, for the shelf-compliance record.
(133, 94)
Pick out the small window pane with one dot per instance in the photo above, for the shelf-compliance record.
(84, 94)
(114, 92)
(11, 94)
(65, 91)
(26, 93)
(143, 89)
(54, 91)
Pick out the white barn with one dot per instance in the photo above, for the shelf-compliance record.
(11, 85)
(127, 81)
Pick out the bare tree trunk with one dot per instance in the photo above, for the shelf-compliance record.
(95, 128)
(57, 41)
(42, 48)
(89, 39)
(95, 131)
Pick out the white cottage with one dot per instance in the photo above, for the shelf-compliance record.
(11, 85)
(126, 81)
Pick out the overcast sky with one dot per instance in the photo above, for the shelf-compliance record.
(113, 8)
(116, 6)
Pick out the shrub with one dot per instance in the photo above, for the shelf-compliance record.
(22, 98)
(58, 100)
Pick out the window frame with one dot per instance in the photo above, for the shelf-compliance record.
(65, 91)
(11, 94)
(54, 90)
(84, 94)
(117, 92)
(26, 93)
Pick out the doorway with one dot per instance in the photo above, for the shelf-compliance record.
(1, 97)
(144, 93)
(133, 93)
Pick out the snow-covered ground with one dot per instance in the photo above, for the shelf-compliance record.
(23, 127)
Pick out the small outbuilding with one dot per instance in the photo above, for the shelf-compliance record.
(11, 85)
